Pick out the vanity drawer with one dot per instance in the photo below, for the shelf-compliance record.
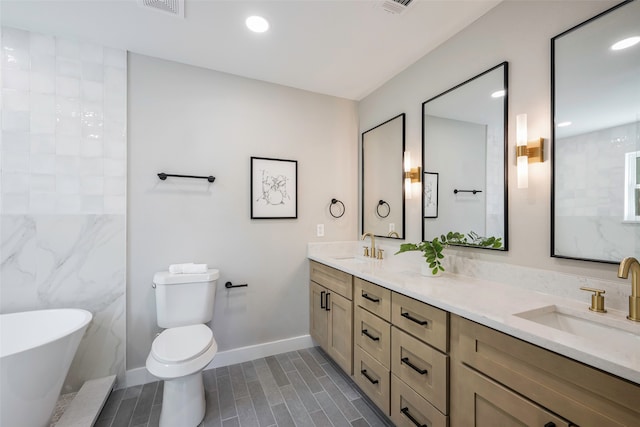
(374, 298)
(421, 320)
(409, 409)
(373, 335)
(372, 378)
(331, 278)
(576, 392)
(422, 367)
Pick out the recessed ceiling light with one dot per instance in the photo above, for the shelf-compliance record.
(257, 24)
(499, 94)
(564, 124)
(625, 43)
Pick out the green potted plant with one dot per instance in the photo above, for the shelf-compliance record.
(432, 250)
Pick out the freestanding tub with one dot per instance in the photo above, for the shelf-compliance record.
(36, 350)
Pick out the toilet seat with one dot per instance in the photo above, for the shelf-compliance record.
(177, 345)
(181, 351)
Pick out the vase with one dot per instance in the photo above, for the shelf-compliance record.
(427, 272)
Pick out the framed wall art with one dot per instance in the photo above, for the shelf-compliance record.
(430, 195)
(274, 188)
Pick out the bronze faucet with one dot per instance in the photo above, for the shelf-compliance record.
(632, 264)
(372, 253)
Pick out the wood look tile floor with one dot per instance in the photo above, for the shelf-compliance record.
(300, 388)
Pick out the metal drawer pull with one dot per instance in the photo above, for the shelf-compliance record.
(413, 319)
(326, 302)
(322, 299)
(405, 360)
(406, 413)
(364, 372)
(366, 296)
(366, 332)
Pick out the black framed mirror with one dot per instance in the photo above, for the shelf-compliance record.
(382, 179)
(464, 146)
(595, 113)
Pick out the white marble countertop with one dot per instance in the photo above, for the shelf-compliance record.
(493, 304)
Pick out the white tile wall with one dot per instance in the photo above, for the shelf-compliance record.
(63, 125)
(63, 188)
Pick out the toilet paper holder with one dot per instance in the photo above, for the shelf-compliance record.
(230, 285)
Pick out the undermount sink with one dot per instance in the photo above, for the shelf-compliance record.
(601, 327)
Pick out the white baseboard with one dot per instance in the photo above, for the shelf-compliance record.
(139, 376)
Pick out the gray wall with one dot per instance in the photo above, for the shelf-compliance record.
(518, 32)
(188, 120)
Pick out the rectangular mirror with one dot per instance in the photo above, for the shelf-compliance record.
(596, 137)
(464, 158)
(382, 179)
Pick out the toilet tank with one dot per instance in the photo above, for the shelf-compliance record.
(184, 299)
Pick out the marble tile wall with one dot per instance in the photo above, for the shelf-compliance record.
(63, 188)
(590, 172)
(589, 194)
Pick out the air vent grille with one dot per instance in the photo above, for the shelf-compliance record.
(395, 7)
(172, 7)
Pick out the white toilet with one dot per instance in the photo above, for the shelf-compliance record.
(184, 303)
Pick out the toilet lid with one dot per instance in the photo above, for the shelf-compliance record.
(183, 343)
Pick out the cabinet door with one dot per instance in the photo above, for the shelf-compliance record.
(485, 403)
(340, 335)
(318, 315)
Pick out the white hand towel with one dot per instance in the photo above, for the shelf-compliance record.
(188, 268)
(178, 268)
(195, 268)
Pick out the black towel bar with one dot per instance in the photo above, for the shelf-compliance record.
(456, 191)
(164, 176)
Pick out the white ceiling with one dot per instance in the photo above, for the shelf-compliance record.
(344, 48)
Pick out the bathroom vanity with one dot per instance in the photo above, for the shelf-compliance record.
(460, 351)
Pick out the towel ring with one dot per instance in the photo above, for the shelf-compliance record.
(336, 202)
(382, 203)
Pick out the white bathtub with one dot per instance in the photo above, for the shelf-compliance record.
(36, 349)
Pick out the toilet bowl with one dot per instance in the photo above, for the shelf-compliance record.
(184, 303)
(178, 356)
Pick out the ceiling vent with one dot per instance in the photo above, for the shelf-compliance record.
(395, 7)
(171, 7)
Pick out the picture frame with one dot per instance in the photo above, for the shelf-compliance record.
(274, 188)
(430, 194)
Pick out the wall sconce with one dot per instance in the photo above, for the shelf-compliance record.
(411, 175)
(526, 151)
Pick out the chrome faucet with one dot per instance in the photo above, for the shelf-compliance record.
(372, 252)
(632, 264)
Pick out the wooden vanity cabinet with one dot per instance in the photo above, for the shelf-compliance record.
(500, 380)
(331, 312)
(423, 366)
